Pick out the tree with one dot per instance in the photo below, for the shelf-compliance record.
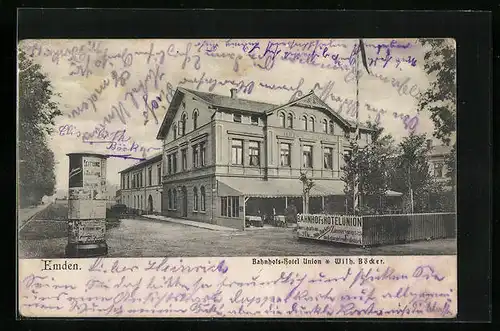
(37, 112)
(411, 172)
(307, 184)
(440, 98)
(368, 167)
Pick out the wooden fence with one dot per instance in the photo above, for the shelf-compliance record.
(403, 228)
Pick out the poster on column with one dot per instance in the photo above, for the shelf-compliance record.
(92, 173)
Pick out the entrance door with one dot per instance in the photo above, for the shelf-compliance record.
(150, 204)
(184, 202)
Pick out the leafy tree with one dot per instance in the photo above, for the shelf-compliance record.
(369, 168)
(440, 98)
(411, 171)
(37, 112)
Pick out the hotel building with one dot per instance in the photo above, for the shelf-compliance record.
(226, 157)
(141, 188)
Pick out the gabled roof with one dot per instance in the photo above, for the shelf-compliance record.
(310, 100)
(155, 158)
(440, 150)
(227, 102)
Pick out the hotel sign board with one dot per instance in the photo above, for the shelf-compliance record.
(346, 229)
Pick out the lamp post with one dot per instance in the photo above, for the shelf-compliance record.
(87, 205)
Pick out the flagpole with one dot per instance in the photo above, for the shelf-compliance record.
(356, 133)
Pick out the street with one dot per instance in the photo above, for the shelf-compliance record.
(150, 238)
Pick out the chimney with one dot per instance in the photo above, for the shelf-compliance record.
(233, 93)
(429, 143)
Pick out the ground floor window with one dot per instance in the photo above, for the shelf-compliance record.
(230, 206)
(202, 198)
(195, 199)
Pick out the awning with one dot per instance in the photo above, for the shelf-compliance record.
(276, 188)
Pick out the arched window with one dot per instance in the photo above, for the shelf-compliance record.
(304, 122)
(332, 128)
(174, 129)
(195, 198)
(174, 198)
(290, 121)
(325, 126)
(195, 119)
(311, 124)
(282, 120)
(202, 198)
(183, 124)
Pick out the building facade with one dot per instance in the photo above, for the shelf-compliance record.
(437, 161)
(141, 186)
(226, 157)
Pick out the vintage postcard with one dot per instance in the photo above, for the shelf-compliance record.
(233, 178)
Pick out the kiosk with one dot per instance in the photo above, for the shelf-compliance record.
(87, 205)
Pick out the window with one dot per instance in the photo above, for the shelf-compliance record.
(332, 131)
(285, 155)
(255, 120)
(123, 181)
(438, 169)
(158, 173)
(307, 156)
(170, 202)
(195, 119)
(202, 198)
(195, 156)
(282, 119)
(128, 181)
(304, 123)
(174, 129)
(184, 159)
(254, 153)
(183, 124)
(325, 126)
(237, 118)
(169, 162)
(202, 153)
(174, 162)
(311, 124)
(230, 206)
(195, 198)
(174, 199)
(150, 176)
(237, 151)
(328, 158)
(290, 121)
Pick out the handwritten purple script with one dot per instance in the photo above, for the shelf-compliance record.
(237, 287)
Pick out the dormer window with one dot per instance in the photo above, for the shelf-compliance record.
(195, 119)
(311, 124)
(290, 121)
(255, 120)
(183, 124)
(237, 118)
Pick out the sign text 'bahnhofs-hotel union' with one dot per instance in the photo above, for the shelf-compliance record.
(342, 229)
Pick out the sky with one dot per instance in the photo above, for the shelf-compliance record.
(98, 78)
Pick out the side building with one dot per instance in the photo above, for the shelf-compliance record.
(141, 186)
(226, 157)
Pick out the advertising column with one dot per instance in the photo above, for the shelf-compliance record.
(87, 205)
